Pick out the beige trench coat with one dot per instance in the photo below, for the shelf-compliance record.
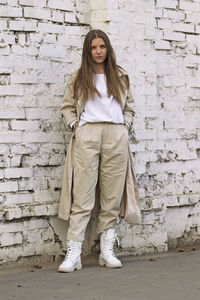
(130, 204)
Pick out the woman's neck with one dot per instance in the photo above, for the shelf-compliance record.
(99, 69)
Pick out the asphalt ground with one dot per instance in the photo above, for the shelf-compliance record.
(168, 276)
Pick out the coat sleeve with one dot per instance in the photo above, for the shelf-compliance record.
(128, 111)
(68, 106)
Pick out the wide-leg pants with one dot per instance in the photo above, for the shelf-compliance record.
(100, 152)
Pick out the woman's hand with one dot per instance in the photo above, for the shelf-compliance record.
(75, 126)
(126, 126)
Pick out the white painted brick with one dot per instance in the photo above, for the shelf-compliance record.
(3, 149)
(167, 3)
(3, 25)
(27, 211)
(57, 16)
(189, 6)
(36, 13)
(11, 227)
(162, 45)
(197, 29)
(18, 238)
(19, 102)
(193, 144)
(52, 210)
(40, 210)
(188, 28)
(158, 13)
(186, 155)
(5, 70)
(18, 172)
(175, 166)
(13, 90)
(32, 51)
(70, 17)
(192, 17)
(24, 125)
(75, 30)
(195, 82)
(25, 149)
(10, 137)
(56, 138)
(169, 134)
(21, 39)
(15, 161)
(6, 239)
(12, 114)
(48, 234)
(36, 3)
(13, 213)
(80, 17)
(33, 236)
(4, 51)
(164, 23)
(33, 183)
(29, 249)
(44, 248)
(34, 113)
(191, 60)
(18, 199)
(10, 12)
(36, 137)
(173, 14)
(23, 25)
(12, 2)
(10, 186)
(170, 81)
(51, 28)
(66, 5)
(4, 125)
(169, 124)
(50, 39)
(9, 38)
(36, 37)
(174, 36)
(53, 51)
(42, 196)
(19, 50)
(45, 77)
(1, 176)
(36, 224)
(23, 78)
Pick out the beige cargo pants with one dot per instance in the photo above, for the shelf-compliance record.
(100, 151)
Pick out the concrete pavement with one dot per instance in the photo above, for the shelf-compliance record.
(168, 276)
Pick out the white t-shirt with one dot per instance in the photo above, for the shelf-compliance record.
(104, 109)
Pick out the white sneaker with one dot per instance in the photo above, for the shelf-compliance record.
(72, 260)
(107, 257)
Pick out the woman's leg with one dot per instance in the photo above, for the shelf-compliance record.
(86, 164)
(112, 173)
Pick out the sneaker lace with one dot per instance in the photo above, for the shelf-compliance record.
(71, 251)
(109, 246)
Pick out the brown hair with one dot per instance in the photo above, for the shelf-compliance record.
(83, 83)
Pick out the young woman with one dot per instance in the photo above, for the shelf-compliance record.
(98, 107)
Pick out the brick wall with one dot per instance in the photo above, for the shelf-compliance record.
(40, 45)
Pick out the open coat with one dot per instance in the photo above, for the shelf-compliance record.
(130, 205)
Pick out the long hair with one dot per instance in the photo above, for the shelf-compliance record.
(84, 87)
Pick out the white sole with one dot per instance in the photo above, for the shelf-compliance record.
(65, 270)
(102, 263)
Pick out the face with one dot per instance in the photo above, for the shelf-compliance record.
(98, 50)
